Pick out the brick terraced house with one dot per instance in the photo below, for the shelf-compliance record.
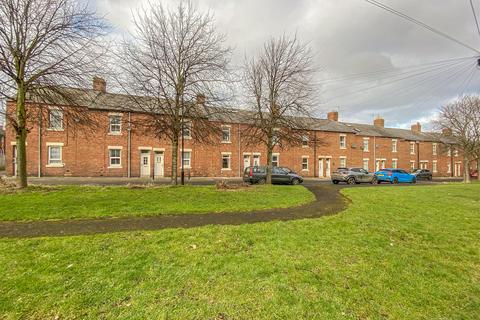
(116, 148)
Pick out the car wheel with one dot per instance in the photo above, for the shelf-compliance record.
(351, 181)
(262, 181)
(335, 181)
(395, 180)
(295, 181)
(374, 181)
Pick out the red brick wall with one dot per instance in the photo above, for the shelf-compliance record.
(85, 151)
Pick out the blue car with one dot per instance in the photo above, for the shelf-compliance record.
(395, 176)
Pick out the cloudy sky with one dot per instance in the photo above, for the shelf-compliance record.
(370, 61)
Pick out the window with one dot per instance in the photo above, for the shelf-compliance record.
(412, 147)
(186, 159)
(343, 141)
(434, 166)
(115, 124)
(55, 119)
(115, 157)
(226, 161)
(412, 165)
(305, 141)
(394, 145)
(187, 130)
(449, 151)
(365, 164)
(449, 168)
(304, 163)
(343, 162)
(455, 153)
(394, 163)
(275, 138)
(256, 160)
(434, 149)
(55, 155)
(226, 134)
(365, 144)
(275, 160)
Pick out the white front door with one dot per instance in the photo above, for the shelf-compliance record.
(145, 164)
(246, 161)
(256, 160)
(14, 161)
(327, 167)
(321, 173)
(159, 164)
(458, 169)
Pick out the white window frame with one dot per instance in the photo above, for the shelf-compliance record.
(367, 162)
(342, 159)
(449, 153)
(278, 159)
(55, 163)
(412, 148)
(343, 144)
(434, 166)
(305, 162)
(434, 148)
(412, 164)
(455, 153)
(187, 127)
(114, 166)
(51, 115)
(394, 145)
(229, 130)
(395, 161)
(449, 167)
(228, 156)
(254, 157)
(189, 160)
(111, 125)
(305, 141)
(366, 143)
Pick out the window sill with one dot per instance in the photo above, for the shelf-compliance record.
(115, 134)
(305, 170)
(114, 167)
(343, 148)
(58, 165)
(187, 138)
(226, 169)
(227, 142)
(53, 129)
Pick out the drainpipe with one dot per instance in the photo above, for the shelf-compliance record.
(39, 171)
(418, 154)
(129, 147)
(375, 153)
(239, 152)
(315, 160)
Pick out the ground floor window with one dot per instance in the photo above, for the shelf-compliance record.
(434, 166)
(115, 157)
(412, 165)
(394, 163)
(186, 159)
(54, 155)
(305, 163)
(343, 162)
(275, 160)
(225, 161)
(365, 164)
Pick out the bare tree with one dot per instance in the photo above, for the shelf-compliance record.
(45, 45)
(280, 93)
(175, 57)
(462, 119)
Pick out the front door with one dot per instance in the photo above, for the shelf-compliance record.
(321, 173)
(327, 167)
(145, 164)
(246, 161)
(256, 160)
(159, 165)
(14, 153)
(458, 169)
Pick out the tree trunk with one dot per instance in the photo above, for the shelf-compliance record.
(269, 163)
(478, 168)
(174, 180)
(21, 138)
(466, 170)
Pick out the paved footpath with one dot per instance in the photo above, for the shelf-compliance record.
(328, 201)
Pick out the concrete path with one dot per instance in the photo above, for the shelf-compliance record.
(328, 201)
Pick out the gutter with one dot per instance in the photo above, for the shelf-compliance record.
(39, 159)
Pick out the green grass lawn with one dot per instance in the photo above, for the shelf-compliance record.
(87, 202)
(396, 253)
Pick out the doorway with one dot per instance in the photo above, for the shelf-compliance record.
(246, 161)
(458, 169)
(324, 167)
(145, 163)
(14, 153)
(159, 168)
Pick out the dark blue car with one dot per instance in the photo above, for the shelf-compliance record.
(395, 176)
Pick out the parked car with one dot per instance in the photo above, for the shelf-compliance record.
(353, 176)
(287, 170)
(422, 174)
(258, 174)
(395, 176)
(474, 173)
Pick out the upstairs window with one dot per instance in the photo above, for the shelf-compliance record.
(343, 141)
(365, 144)
(434, 149)
(115, 124)
(412, 147)
(187, 130)
(225, 134)
(305, 141)
(394, 145)
(275, 160)
(55, 119)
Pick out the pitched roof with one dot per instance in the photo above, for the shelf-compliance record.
(96, 100)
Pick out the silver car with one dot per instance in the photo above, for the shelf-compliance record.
(353, 176)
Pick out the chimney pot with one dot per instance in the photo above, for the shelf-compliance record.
(417, 127)
(332, 116)
(201, 99)
(379, 122)
(99, 84)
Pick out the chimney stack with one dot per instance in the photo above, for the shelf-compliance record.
(201, 99)
(447, 131)
(99, 84)
(417, 127)
(332, 116)
(379, 122)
